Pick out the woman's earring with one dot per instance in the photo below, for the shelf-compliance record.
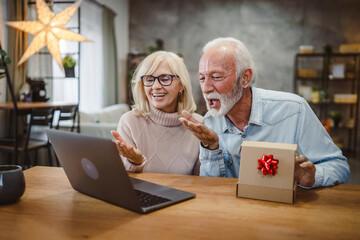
(180, 94)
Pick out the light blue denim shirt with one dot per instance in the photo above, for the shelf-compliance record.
(275, 117)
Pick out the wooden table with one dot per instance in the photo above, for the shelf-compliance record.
(27, 108)
(51, 209)
(32, 105)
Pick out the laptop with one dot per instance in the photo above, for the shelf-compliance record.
(94, 167)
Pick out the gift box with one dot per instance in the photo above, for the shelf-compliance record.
(267, 171)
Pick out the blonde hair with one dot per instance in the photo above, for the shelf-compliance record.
(147, 67)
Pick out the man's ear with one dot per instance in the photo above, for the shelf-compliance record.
(246, 77)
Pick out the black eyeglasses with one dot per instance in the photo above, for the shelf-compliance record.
(164, 79)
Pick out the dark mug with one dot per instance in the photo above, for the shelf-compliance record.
(12, 183)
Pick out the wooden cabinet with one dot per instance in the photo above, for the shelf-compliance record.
(330, 84)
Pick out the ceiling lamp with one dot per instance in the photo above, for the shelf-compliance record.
(48, 30)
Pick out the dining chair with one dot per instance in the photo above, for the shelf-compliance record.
(68, 113)
(18, 142)
(30, 140)
(41, 118)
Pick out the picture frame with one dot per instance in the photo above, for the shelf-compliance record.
(338, 70)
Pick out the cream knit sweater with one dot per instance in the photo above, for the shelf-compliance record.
(167, 146)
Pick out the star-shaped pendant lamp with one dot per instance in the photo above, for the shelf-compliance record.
(48, 30)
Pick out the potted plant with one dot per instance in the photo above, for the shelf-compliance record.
(336, 117)
(7, 60)
(69, 65)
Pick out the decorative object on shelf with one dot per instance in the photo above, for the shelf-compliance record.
(350, 123)
(327, 124)
(337, 71)
(6, 60)
(69, 66)
(339, 141)
(336, 117)
(305, 91)
(315, 96)
(319, 95)
(345, 98)
(25, 93)
(38, 90)
(48, 30)
(350, 48)
(350, 68)
(327, 49)
(306, 49)
(307, 72)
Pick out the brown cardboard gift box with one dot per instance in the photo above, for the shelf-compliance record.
(252, 183)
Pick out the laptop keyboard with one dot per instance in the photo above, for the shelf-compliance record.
(148, 200)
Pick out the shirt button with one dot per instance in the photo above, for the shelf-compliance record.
(244, 136)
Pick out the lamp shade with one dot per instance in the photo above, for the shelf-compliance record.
(49, 29)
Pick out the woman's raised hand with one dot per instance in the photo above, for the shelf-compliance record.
(127, 150)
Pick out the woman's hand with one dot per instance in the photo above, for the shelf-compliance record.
(127, 150)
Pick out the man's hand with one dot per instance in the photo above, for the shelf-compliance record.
(127, 150)
(208, 138)
(304, 171)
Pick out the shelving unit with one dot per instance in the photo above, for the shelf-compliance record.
(133, 60)
(75, 54)
(319, 78)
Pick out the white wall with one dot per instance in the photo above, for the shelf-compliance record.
(121, 8)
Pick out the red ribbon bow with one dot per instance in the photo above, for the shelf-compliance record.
(268, 165)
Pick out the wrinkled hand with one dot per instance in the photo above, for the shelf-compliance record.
(127, 150)
(208, 138)
(304, 171)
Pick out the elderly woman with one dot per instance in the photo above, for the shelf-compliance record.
(151, 138)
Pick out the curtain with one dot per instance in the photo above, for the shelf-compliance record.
(91, 58)
(110, 81)
(17, 45)
(65, 89)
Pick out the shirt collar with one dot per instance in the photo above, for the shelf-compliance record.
(255, 115)
(256, 107)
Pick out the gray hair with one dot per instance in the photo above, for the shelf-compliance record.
(242, 55)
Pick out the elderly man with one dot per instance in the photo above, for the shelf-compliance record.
(238, 112)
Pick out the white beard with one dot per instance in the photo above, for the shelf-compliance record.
(227, 100)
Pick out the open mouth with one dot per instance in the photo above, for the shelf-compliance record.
(213, 102)
(158, 95)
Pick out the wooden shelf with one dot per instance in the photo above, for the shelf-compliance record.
(331, 86)
(309, 78)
